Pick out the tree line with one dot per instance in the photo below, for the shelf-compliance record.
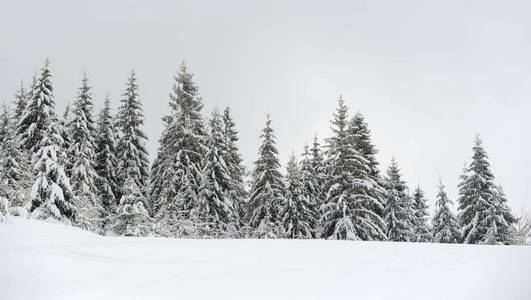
(93, 172)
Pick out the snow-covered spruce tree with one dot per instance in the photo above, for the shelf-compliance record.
(398, 212)
(64, 130)
(311, 180)
(20, 103)
(347, 211)
(81, 161)
(499, 221)
(176, 173)
(132, 218)
(298, 216)
(38, 112)
(267, 192)
(216, 209)
(14, 166)
(131, 144)
(358, 131)
(106, 162)
(421, 230)
(477, 194)
(5, 119)
(51, 195)
(160, 173)
(319, 174)
(318, 169)
(317, 163)
(234, 161)
(445, 226)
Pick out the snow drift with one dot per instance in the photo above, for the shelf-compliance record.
(41, 260)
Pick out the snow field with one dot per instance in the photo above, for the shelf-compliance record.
(41, 260)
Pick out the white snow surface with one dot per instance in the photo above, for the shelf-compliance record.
(40, 260)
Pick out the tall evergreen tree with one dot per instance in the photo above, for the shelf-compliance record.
(398, 211)
(359, 130)
(311, 179)
(51, 195)
(131, 144)
(477, 194)
(445, 226)
(360, 137)
(317, 164)
(14, 164)
(234, 161)
(499, 220)
(38, 112)
(5, 119)
(81, 154)
(216, 208)
(20, 103)
(347, 211)
(421, 229)
(64, 131)
(106, 162)
(298, 215)
(267, 192)
(318, 176)
(176, 173)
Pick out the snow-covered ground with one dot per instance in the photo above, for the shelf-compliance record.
(52, 261)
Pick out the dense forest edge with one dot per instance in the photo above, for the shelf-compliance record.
(93, 172)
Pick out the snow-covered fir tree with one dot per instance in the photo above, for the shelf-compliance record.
(499, 221)
(298, 215)
(348, 210)
(421, 229)
(177, 171)
(360, 135)
(14, 165)
(445, 226)
(216, 208)
(131, 147)
(81, 161)
(267, 192)
(234, 161)
(317, 164)
(359, 130)
(64, 130)
(478, 195)
(51, 194)
(312, 179)
(398, 212)
(132, 218)
(5, 119)
(106, 162)
(21, 98)
(38, 112)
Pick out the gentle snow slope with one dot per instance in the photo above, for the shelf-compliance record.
(51, 261)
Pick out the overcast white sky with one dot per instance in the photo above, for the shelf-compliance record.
(427, 76)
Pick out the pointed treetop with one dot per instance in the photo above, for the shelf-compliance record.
(393, 166)
(477, 140)
(84, 79)
(182, 67)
